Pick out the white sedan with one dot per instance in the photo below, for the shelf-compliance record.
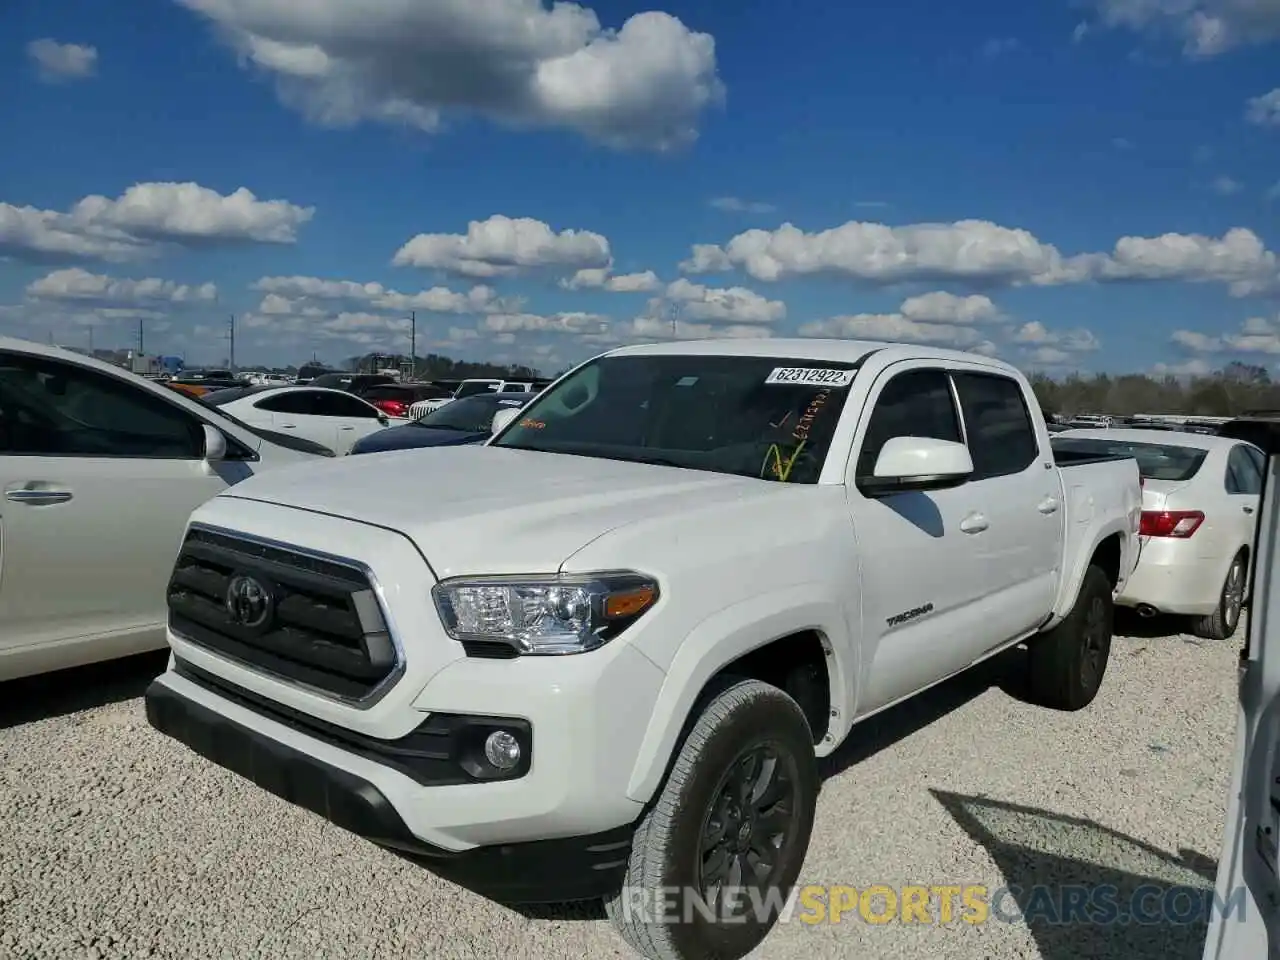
(1200, 497)
(334, 418)
(100, 469)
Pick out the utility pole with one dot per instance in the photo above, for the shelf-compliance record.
(413, 344)
(231, 336)
(141, 352)
(91, 341)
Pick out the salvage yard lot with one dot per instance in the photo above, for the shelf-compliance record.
(120, 843)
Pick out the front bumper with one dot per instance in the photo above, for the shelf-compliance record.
(562, 869)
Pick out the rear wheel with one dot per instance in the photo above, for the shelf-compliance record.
(1222, 623)
(1067, 663)
(715, 858)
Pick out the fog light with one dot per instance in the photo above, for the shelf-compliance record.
(502, 750)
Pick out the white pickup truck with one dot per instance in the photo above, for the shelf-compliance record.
(603, 658)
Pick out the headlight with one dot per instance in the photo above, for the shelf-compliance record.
(544, 615)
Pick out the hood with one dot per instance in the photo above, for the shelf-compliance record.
(412, 435)
(480, 509)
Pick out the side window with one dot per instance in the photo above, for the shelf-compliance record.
(288, 401)
(54, 409)
(913, 404)
(341, 405)
(1243, 475)
(1002, 439)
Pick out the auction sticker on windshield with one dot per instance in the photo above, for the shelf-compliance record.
(811, 376)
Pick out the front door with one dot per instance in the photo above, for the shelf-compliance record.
(920, 578)
(98, 478)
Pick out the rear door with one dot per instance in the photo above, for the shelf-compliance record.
(350, 418)
(1244, 490)
(294, 412)
(98, 479)
(922, 613)
(1021, 551)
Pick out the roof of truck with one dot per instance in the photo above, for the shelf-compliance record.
(809, 348)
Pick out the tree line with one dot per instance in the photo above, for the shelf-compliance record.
(1227, 392)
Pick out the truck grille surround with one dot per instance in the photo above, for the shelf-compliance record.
(309, 619)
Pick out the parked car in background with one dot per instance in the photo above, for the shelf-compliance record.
(464, 421)
(600, 655)
(395, 399)
(334, 418)
(1200, 500)
(480, 386)
(355, 383)
(100, 470)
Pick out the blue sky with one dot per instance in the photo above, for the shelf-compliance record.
(1075, 184)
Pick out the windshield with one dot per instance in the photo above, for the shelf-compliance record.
(1156, 461)
(762, 417)
(473, 414)
(472, 387)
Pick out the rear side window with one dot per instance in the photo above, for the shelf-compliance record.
(1156, 461)
(1243, 475)
(288, 401)
(341, 405)
(1002, 440)
(917, 403)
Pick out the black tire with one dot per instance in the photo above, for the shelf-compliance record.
(1222, 623)
(1068, 662)
(747, 720)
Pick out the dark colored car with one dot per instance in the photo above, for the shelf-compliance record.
(355, 383)
(395, 399)
(468, 420)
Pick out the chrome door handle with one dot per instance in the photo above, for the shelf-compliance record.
(346, 428)
(1048, 505)
(38, 498)
(974, 523)
(1247, 509)
(289, 426)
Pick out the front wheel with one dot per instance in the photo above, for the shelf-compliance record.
(717, 855)
(1068, 662)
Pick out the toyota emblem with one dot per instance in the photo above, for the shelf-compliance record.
(248, 602)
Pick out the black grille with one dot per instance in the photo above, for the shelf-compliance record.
(323, 627)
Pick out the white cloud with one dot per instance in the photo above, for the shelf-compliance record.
(1256, 335)
(571, 322)
(1207, 28)
(503, 246)
(600, 278)
(656, 328)
(1036, 334)
(644, 84)
(734, 305)
(943, 307)
(977, 251)
(1190, 368)
(56, 62)
(892, 327)
(144, 218)
(1226, 186)
(738, 205)
(1264, 110)
(297, 290)
(75, 284)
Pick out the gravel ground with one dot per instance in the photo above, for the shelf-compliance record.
(119, 843)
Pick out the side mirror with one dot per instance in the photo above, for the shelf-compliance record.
(215, 443)
(502, 418)
(384, 419)
(918, 463)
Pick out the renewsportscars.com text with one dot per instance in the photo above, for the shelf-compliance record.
(972, 904)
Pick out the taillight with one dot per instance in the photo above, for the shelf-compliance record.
(393, 408)
(1179, 524)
